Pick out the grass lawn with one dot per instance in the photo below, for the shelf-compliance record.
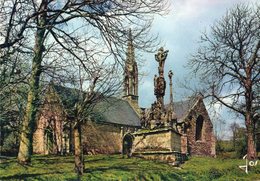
(103, 167)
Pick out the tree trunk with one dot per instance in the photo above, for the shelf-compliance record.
(25, 149)
(26, 137)
(251, 149)
(71, 146)
(79, 159)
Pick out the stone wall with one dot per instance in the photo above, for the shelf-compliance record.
(162, 144)
(48, 136)
(53, 134)
(156, 140)
(175, 141)
(184, 146)
(204, 146)
(103, 138)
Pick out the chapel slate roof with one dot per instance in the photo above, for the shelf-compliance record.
(118, 111)
(108, 110)
(182, 108)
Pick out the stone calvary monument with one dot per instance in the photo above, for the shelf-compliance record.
(168, 135)
(159, 137)
(159, 116)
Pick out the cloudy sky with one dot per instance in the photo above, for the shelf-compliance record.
(179, 32)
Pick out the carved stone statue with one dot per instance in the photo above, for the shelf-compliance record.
(157, 111)
(157, 115)
(161, 57)
(155, 84)
(170, 74)
(159, 89)
(159, 82)
(143, 119)
(161, 86)
(152, 113)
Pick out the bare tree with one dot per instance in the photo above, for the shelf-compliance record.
(103, 82)
(67, 29)
(14, 73)
(228, 65)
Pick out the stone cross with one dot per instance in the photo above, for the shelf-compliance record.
(161, 57)
(159, 81)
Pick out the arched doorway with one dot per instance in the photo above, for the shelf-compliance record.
(127, 145)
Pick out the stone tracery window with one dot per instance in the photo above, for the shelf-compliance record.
(199, 126)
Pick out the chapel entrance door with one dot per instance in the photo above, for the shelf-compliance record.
(127, 145)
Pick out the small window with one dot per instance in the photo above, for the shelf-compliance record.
(199, 126)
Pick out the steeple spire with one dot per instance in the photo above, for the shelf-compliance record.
(131, 75)
(130, 55)
(131, 69)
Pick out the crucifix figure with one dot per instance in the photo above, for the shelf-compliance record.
(161, 57)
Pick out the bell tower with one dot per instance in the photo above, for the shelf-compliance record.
(131, 74)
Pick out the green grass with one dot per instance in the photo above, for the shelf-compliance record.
(103, 167)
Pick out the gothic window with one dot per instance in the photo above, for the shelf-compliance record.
(199, 126)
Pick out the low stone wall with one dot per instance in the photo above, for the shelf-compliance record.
(164, 139)
(162, 144)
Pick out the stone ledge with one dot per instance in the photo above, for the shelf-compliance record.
(150, 131)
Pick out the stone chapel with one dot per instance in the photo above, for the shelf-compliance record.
(182, 127)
